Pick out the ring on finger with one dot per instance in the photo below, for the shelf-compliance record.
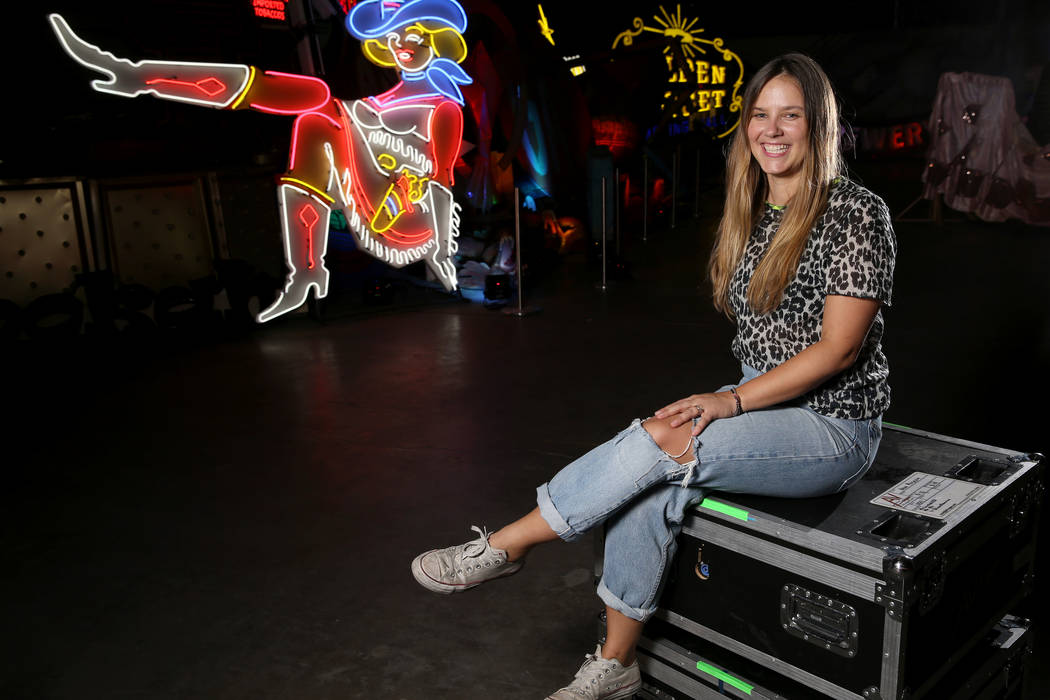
(698, 410)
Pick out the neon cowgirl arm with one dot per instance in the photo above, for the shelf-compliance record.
(210, 84)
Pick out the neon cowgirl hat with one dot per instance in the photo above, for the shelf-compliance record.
(371, 20)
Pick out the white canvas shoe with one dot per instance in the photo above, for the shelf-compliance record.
(460, 568)
(601, 679)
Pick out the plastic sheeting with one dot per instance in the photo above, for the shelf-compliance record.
(981, 158)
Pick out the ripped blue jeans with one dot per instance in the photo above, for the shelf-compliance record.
(636, 489)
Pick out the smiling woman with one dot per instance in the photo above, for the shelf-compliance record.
(791, 140)
(803, 263)
(777, 131)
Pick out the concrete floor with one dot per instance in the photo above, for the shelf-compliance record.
(236, 519)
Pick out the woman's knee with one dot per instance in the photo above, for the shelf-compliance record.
(676, 442)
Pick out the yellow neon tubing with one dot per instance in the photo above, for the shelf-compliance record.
(247, 87)
(307, 185)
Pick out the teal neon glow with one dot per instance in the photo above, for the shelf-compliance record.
(725, 509)
(724, 677)
(537, 153)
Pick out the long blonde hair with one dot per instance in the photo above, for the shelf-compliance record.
(746, 189)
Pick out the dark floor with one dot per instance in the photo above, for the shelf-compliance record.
(236, 520)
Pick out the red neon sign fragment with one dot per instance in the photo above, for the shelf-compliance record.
(270, 9)
(209, 86)
(309, 217)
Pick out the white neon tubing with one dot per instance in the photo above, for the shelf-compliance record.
(372, 115)
(67, 35)
(363, 133)
(294, 269)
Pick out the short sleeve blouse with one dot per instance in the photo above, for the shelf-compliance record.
(851, 252)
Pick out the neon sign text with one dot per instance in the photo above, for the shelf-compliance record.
(683, 44)
(270, 9)
(890, 139)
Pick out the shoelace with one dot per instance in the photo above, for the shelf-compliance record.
(471, 549)
(478, 547)
(588, 676)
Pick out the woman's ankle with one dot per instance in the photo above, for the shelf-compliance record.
(500, 540)
(625, 656)
(522, 535)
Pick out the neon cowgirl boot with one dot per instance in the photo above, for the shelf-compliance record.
(210, 84)
(304, 223)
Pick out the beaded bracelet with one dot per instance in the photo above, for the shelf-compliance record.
(739, 408)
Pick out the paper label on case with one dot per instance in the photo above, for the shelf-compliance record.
(929, 495)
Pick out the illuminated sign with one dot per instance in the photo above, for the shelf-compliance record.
(271, 9)
(620, 135)
(383, 162)
(698, 88)
(578, 69)
(898, 138)
(545, 27)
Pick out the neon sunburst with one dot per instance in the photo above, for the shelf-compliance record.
(674, 27)
(671, 27)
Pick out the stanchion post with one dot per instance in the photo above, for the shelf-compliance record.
(517, 249)
(645, 198)
(605, 258)
(696, 201)
(521, 311)
(674, 187)
(616, 208)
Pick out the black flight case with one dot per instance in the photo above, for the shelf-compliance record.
(904, 586)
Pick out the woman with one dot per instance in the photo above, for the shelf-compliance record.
(803, 262)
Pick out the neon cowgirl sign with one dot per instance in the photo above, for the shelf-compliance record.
(384, 161)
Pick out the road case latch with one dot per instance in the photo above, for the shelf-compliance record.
(819, 620)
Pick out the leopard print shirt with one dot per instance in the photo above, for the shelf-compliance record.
(850, 252)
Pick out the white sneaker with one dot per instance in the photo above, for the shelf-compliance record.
(601, 679)
(460, 568)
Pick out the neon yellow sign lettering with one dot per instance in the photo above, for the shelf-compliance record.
(684, 44)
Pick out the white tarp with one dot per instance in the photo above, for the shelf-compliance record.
(981, 158)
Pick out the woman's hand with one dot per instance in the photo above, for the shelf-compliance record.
(709, 408)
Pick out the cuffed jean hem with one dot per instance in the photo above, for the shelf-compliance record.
(549, 512)
(639, 614)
